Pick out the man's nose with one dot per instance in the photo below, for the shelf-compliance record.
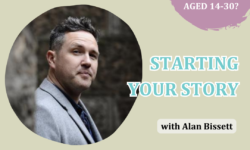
(86, 61)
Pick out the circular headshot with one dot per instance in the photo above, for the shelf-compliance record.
(67, 73)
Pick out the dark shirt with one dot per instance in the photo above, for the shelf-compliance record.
(82, 114)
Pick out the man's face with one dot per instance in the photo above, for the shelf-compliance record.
(77, 61)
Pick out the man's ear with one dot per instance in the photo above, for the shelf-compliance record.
(51, 58)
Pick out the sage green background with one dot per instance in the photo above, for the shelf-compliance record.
(160, 30)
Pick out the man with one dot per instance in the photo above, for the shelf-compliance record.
(73, 60)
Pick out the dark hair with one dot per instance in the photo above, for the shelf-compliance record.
(70, 25)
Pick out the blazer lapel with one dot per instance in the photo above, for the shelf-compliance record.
(63, 101)
(96, 132)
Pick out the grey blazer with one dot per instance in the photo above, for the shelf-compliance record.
(57, 120)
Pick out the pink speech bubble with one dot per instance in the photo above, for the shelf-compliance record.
(213, 14)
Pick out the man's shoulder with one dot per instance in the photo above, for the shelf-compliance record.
(41, 94)
(45, 102)
(43, 97)
(46, 116)
(47, 107)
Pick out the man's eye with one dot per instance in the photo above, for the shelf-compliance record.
(93, 56)
(76, 51)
